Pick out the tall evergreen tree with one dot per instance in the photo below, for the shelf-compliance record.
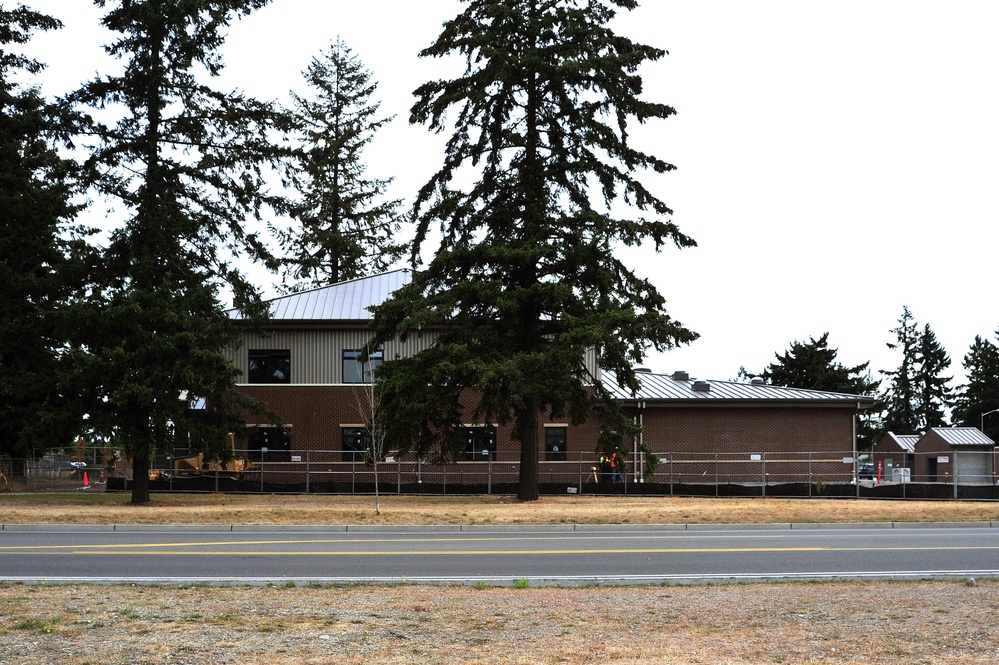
(37, 266)
(900, 397)
(184, 161)
(917, 394)
(935, 394)
(812, 365)
(343, 229)
(525, 281)
(980, 395)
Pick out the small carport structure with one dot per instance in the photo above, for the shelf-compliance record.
(962, 455)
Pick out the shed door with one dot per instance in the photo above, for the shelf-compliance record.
(972, 467)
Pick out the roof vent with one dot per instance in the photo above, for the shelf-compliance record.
(757, 381)
(643, 370)
(680, 375)
(701, 386)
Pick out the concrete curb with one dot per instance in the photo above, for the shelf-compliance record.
(473, 528)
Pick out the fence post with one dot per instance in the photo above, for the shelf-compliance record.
(763, 458)
(809, 475)
(954, 473)
(308, 470)
(671, 474)
(717, 479)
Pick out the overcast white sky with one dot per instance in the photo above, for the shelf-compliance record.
(835, 160)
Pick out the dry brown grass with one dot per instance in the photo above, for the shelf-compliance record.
(101, 508)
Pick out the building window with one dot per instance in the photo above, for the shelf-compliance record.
(555, 449)
(480, 444)
(267, 443)
(270, 366)
(356, 443)
(355, 371)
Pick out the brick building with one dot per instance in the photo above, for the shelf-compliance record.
(742, 432)
(961, 455)
(895, 457)
(305, 367)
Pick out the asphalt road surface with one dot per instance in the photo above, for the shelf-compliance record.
(568, 555)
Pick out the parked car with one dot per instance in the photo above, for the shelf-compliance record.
(865, 471)
(71, 469)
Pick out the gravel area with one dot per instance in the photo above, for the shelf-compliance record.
(880, 622)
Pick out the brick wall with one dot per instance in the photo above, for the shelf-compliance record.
(751, 444)
(316, 414)
(721, 444)
(749, 429)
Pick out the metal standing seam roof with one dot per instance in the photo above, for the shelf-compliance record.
(344, 301)
(666, 388)
(349, 301)
(962, 436)
(906, 442)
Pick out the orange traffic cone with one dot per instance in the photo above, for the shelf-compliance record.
(101, 481)
(86, 481)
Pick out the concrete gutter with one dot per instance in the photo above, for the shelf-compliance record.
(475, 528)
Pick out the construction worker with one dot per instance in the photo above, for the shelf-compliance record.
(605, 470)
(615, 465)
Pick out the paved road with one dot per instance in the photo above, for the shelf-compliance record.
(543, 555)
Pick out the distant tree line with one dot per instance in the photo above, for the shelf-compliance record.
(913, 397)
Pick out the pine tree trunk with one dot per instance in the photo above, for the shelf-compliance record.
(532, 183)
(140, 479)
(527, 430)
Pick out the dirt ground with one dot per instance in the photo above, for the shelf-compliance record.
(833, 622)
(883, 622)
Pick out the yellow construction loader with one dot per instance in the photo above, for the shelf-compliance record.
(197, 464)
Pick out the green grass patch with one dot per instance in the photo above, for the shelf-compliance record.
(39, 625)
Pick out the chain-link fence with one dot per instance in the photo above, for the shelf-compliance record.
(956, 474)
(50, 473)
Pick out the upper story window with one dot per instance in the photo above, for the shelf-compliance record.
(355, 371)
(270, 366)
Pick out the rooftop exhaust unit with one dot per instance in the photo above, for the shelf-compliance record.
(757, 381)
(701, 386)
(680, 375)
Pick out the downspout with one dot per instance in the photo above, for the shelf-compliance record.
(856, 477)
(639, 465)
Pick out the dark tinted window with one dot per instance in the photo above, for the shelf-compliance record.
(270, 366)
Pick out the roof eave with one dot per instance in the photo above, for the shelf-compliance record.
(859, 404)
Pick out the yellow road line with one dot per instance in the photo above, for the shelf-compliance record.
(518, 552)
(351, 541)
